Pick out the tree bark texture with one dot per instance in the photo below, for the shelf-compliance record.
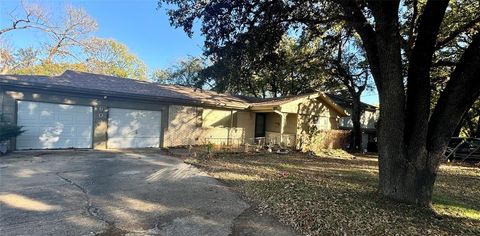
(477, 133)
(356, 139)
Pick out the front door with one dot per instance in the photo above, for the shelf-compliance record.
(259, 125)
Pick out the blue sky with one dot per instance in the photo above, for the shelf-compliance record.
(137, 23)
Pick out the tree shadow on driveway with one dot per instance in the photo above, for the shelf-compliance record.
(94, 192)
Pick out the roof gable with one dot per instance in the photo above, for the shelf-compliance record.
(285, 104)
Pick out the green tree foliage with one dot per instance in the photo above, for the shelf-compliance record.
(302, 61)
(291, 69)
(110, 57)
(50, 69)
(102, 56)
(186, 72)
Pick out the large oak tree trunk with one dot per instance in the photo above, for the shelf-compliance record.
(404, 172)
(407, 182)
(356, 139)
(407, 169)
(411, 150)
(411, 139)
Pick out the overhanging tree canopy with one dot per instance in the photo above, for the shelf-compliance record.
(404, 41)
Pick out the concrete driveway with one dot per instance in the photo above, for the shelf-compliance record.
(111, 193)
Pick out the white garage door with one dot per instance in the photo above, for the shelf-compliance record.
(50, 125)
(129, 128)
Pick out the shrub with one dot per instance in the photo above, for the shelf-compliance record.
(9, 131)
(323, 139)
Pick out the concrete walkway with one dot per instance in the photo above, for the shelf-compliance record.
(114, 193)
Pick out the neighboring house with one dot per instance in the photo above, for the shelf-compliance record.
(368, 120)
(83, 110)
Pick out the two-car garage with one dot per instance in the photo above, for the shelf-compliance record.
(60, 126)
(93, 111)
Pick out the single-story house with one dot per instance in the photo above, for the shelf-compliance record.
(84, 110)
(368, 120)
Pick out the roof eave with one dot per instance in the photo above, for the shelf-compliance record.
(334, 105)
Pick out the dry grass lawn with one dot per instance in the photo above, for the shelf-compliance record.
(337, 195)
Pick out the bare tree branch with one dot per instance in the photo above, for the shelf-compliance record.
(34, 16)
(77, 25)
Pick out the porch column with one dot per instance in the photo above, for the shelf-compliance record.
(283, 120)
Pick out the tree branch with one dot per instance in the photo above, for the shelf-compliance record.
(442, 42)
(418, 80)
(407, 44)
(34, 18)
(357, 20)
(444, 63)
(458, 96)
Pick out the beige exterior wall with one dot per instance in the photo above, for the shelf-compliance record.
(291, 124)
(212, 118)
(275, 138)
(316, 121)
(313, 110)
(246, 120)
(197, 126)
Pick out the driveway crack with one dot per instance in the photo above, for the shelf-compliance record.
(90, 208)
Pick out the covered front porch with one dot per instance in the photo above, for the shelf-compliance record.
(276, 128)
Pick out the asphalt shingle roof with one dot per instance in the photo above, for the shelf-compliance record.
(109, 84)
